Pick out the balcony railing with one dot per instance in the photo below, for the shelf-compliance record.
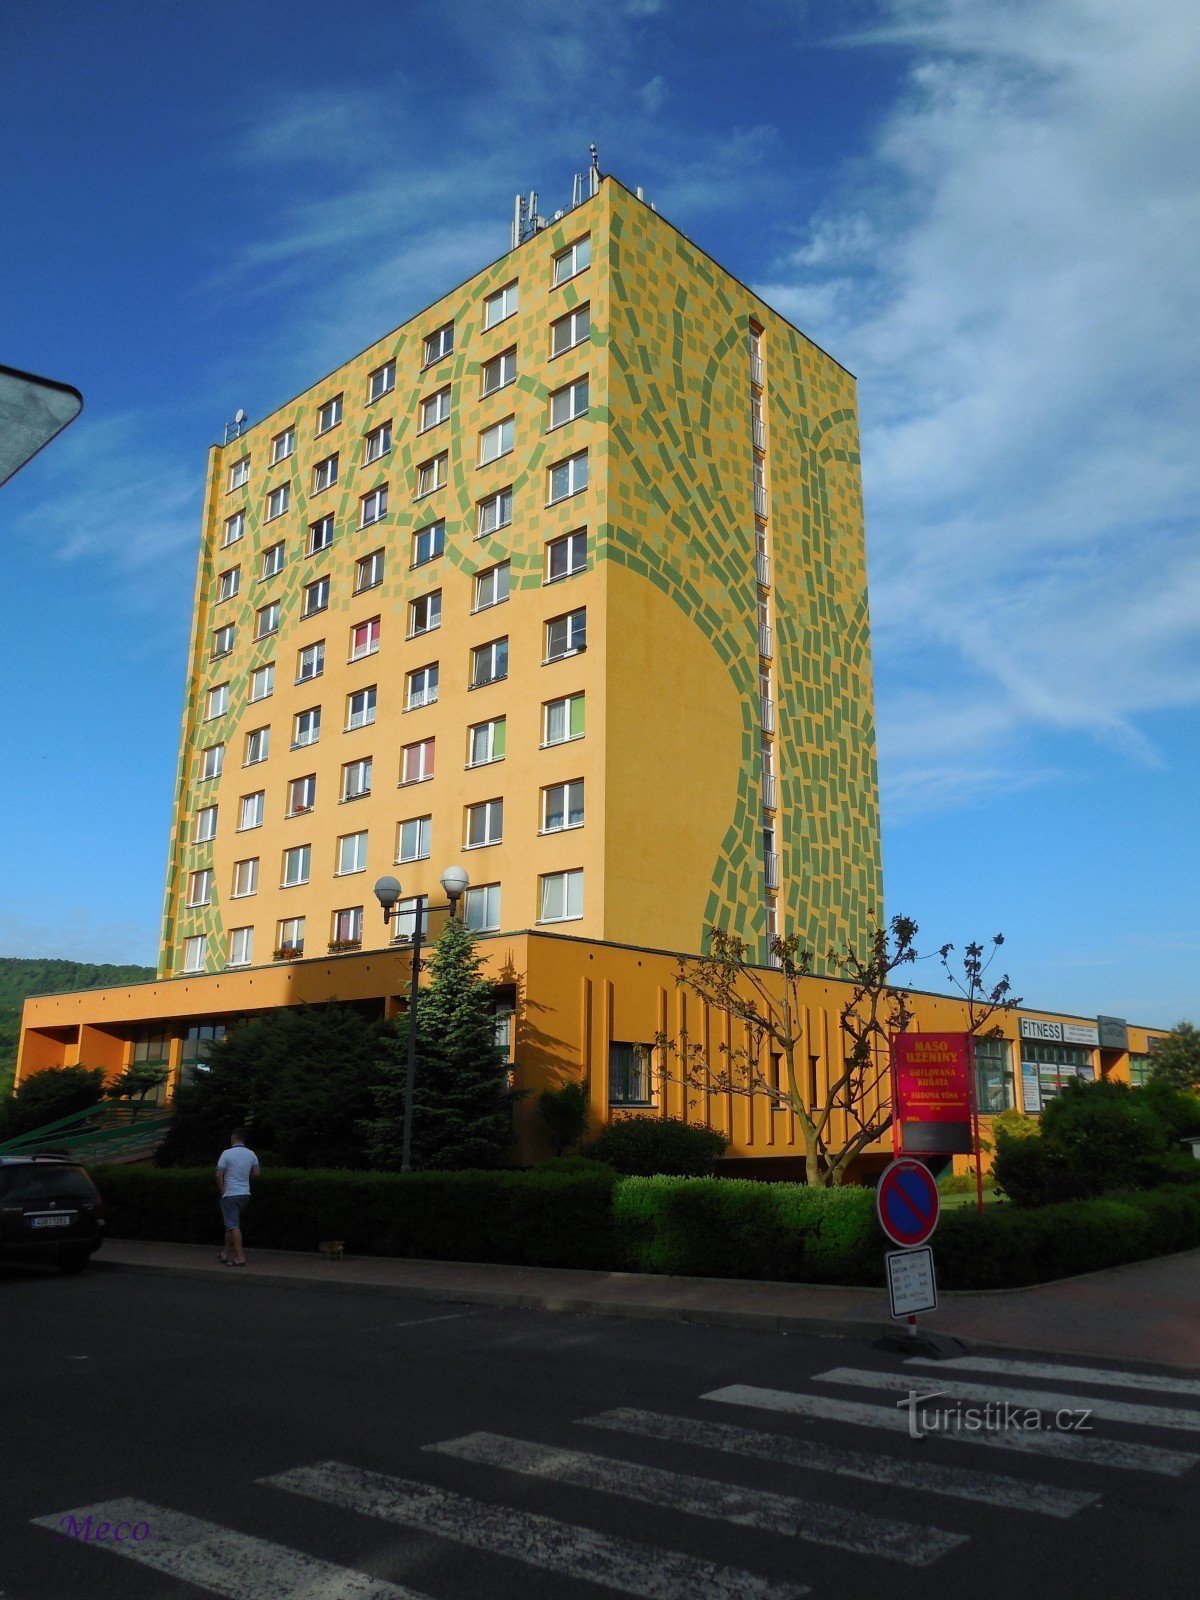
(764, 639)
(760, 433)
(760, 499)
(768, 791)
(756, 371)
(767, 713)
(771, 868)
(762, 566)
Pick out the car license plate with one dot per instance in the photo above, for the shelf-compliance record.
(63, 1221)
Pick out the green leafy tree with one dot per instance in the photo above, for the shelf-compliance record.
(46, 1096)
(21, 976)
(1176, 1060)
(462, 1105)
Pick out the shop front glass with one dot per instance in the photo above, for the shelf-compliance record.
(1046, 1067)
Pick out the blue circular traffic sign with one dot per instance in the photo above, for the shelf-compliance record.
(907, 1202)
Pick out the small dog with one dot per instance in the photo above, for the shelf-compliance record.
(332, 1248)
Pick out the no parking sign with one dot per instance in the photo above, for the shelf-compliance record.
(907, 1202)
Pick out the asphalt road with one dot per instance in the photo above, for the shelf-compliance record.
(262, 1443)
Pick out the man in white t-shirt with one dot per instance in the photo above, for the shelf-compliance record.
(235, 1168)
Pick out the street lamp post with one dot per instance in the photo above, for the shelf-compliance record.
(387, 891)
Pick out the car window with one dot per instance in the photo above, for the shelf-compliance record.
(45, 1183)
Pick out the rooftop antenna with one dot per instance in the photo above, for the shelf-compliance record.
(594, 171)
(233, 430)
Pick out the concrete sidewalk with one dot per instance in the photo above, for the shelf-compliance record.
(1147, 1312)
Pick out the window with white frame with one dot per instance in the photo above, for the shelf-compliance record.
(368, 571)
(566, 635)
(560, 897)
(435, 408)
(500, 306)
(320, 535)
(297, 862)
(412, 839)
(431, 474)
(235, 527)
(250, 811)
(239, 473)
(228, 583)
(562, 806)
(278, 501)
(439, 343)
(629, 1076)
(200, 887)
(316, 597)
(373, 507)
(377, 443)
(356, 779)
(491, 586)
(416, 761)
(500, 371)
(325, 473)
(205, 827)
(345, 928)
(330, 414)
(216, 702)
(562, 719)
(364, 638)
(301, 795)
(241, 947)
(568, 477)
(482, 909)
(428, 542)
(289, 937)
(496, 441)
(484, 824)
(570, 262)
(258, 746)
(568, 331)
(421, 687)
(495, 512)
(272, 560)
(282, 445)
(351, 854)
(404, 918)
(245, 877)
(306, 729)
(222, 640)
(566, 556)
(266, 620)
(360, 708)
(195, 952)
(382, 381)
(424, 613)
(569, 402)
(485, 742)
(212, 760)
(489, 662)
(262, 682)
(310, 663)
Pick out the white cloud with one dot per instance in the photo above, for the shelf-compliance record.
(653, 95)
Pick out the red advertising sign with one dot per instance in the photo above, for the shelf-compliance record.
(931, 1074)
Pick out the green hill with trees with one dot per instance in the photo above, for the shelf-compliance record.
(21, 976)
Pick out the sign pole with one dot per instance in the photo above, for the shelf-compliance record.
(975, 1124)
(895, 1098)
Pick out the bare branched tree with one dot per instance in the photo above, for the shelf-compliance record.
(984, 1000)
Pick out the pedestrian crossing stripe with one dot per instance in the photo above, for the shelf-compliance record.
(1097, 1376)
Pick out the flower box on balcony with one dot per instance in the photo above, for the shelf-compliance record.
(339, 947)
(289, 952)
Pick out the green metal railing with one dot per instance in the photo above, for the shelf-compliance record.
(113, 1132)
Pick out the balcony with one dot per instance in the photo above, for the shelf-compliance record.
(771, 869)
(764, 639)
(760, 434)
(760, 499)
(756, 371)
(762, 567)
(769, 799)
(766, 713)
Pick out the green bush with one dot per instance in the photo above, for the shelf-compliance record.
(646, 1146)
(963, 1183)
(565, 1113)
(46, 1096)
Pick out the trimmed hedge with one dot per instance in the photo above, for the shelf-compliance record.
(647, 1146)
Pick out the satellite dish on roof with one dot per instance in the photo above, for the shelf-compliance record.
(239, 416)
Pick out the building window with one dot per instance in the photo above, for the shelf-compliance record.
(245, 877)
(278, 501)
(439, 343)
(235, 527)
(489, 662)
(569, 477)
(200, 887)
(500, 306)
(262, 682)
(562, 806)
(1045, 1067)
(266, 620)
(320, 535)
(491, 586)
(307, 727)
(404, 919)
(296, 864)
(289, 938)
(484, 824)
(382, 381)
(421, 687)
(222, 640)
(570, 262)
(994, 1076)
(206, 825)
(311, 662)
(250, 812)
(316, 597)
(272, 560)
(561, 896)
(569, 402)
(482, 909)
(239, 473)
(325, 473)
(496, 441)
(495, 512)
(345, 929)
(195, 951)
(566, 556)
(566, 635)
(373, 506)
(228, 582)
(435, 408)
(424, 613)
(212, 760)
(364, 639)
(329, 415)
(378, 443)
(416, 762)
(629, 1074)
(428, 542)
(282, 445)
(194, 1055)
(566, 332)
(360, 708)
(351, 854)
(412, 842)
(562, 719)
(356, 779)
(500, 371)
(216, 702)
(301, 795)
(368, 571)
(241, 947)
(485, 742)
(431, 474)
(258, 746)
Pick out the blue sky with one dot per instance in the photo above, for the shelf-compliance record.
(987, 210)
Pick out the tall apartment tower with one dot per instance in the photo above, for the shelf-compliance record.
(562, 582)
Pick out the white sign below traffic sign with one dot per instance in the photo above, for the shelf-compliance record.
(911, 1282)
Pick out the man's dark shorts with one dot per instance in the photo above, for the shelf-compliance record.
(231, 1209)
